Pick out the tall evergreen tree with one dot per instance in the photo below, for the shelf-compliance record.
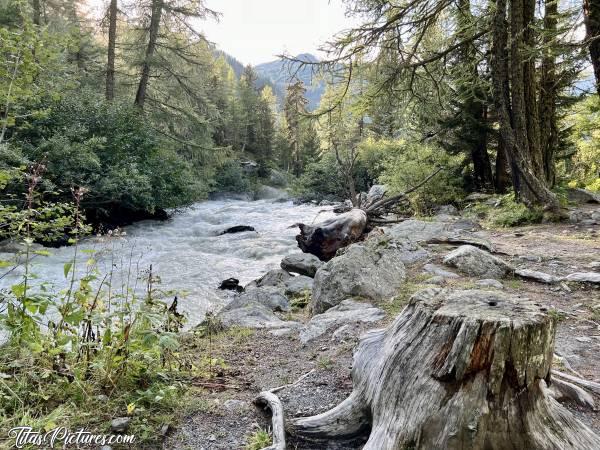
(294, 107)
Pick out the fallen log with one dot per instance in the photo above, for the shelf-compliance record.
(326, 238)
(455, 370)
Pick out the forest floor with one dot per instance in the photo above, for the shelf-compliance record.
(251, 361)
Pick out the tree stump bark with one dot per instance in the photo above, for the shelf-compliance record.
(456, 370)
(325, 238)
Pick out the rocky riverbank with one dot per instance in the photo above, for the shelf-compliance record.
(301, 322)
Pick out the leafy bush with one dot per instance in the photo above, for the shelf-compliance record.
(405, 164)
(322, 179)
(230, 177)
(90, 352)
(108, 148)
(583, 168)
(506, 212)
(512, 214)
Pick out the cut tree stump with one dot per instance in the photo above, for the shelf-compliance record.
(325, 238)
(455, 370)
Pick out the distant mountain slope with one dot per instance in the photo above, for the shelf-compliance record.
(262, 81)
(279, 73)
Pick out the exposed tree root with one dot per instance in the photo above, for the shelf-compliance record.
(271, 401)
(455, 370)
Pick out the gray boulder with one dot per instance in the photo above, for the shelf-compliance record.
(409, 251)
(268, 296)
(418, 230)
(301, 263)
(584, 277)
(376, 193)
(274, 278)
(298, 285)
(120, 424)
(534, 275)
(347, 312)
(439, 271)
(490, 283)
(374, 273)
(477, 263)
(253, 315)
(582, 196)
(438, 280)
(449, 210)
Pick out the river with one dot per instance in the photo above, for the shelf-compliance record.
(187, 253)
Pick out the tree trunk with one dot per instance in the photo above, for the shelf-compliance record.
(481, 161)
(530, 89)
(324, 239)
(157, 8)
(37, 12)
(527, 184)
(548, 125)
(591, 11)
(474, 107)
(502, 177)
(455, 370)
(112, 40)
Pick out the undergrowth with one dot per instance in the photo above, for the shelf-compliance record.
(105, 345)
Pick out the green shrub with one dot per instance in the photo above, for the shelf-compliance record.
(583, 168)
(108, 148)
(258, 440)
(405, 164)
(89, 352)
(322, 179)
(230, 177)
(507, 213)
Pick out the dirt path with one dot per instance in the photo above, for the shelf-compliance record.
(254, 361)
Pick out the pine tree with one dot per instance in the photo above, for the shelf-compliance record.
(293, 109)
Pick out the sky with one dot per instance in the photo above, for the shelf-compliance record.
(255, 31)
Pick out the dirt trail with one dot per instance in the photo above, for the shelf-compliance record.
(261, 360)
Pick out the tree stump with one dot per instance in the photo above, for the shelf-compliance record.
(455, 370)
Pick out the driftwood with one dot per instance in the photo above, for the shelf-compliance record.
(271, 401)
(324, 239)
(455, 370)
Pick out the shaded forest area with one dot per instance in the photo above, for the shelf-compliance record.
(428, 104)
(144, 113)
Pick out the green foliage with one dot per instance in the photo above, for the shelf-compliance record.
(104, 352)
(230, 177)
(259, 439)
(506, 213)
(405, 164)
(108, 148)
(320, 180)
(583, 168)
(514, 214)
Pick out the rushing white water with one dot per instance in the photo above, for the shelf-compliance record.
(187, 253)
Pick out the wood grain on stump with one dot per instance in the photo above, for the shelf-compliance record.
(456, 370)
